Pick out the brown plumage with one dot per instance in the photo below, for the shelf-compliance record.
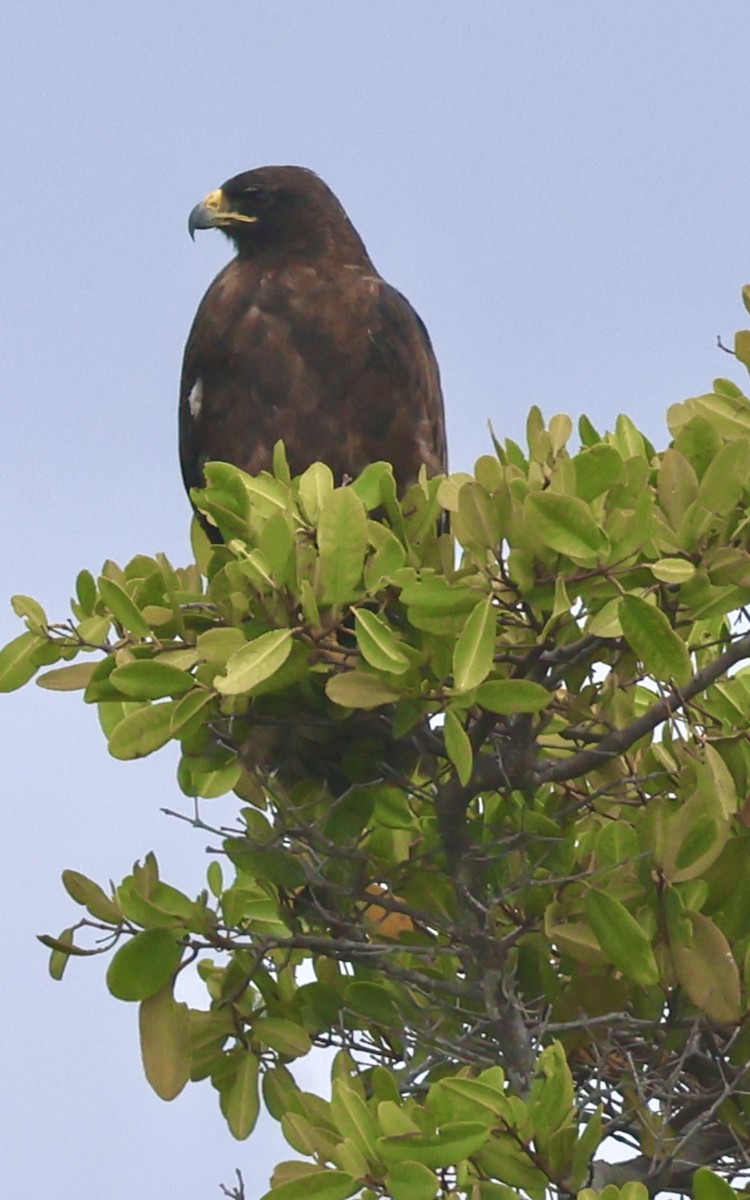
(299, 338)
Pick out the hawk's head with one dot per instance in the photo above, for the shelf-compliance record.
(284, 209)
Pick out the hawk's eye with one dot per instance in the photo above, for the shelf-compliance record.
(257, 197)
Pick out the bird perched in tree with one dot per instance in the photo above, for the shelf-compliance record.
(299, 338)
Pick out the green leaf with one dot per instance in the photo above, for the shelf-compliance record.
(123, 609)
(560, 429)
(282, 1035)
(672, 570)
(216, 646)
(616, 843)
(475, 647)
(150, 680)
(357, 689)
(375, 485)
(597, 470)
(26, 606)
(389, 557)
(629, 440)
(315, 486)
(378, 643)
(84, 891)
(394, 1120)
(241, 1104)
(454, 1142)
(68, 679)
(696, 835)
(509, 696)
(66, 945)
(317, 1184)
(504, 1159)
(587, 432)
(705, 966)
(188, 713)
(86, 591)
(449, 489)
(458, 747)
(709, 1186)
(143, 731)
(255, 662)
(164, 1027)
(479, 519)
(196, 780)
(553, 1095)
(372, 1000)
(353, 1118)
(623, 940)
(437, 596)
(62, 949)
(725, 479)
(18, 661)
(342, 542)
(677, 485)
(280, 1092)
(280, 463)
(144, 964)
(652, 639)
(565, 525)
(265, 494)
(459, 1099)
(715, 779)
(411, 1181)
(585, 1148)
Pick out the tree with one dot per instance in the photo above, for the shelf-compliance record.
(492, 826)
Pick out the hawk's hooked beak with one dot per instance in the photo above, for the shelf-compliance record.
(214, 213)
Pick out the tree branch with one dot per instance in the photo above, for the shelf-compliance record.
(621, 740)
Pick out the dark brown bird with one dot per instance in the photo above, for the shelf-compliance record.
(299, 338)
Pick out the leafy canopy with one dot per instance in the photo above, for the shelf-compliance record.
(492, 833)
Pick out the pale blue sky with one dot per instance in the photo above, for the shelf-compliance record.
(561, 189)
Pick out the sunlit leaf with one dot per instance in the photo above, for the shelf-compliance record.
(282, 1035)
(411, 1181)
(255, 662)
(455, 1142)
(565, 525)
(672, 570)
(143, 964)
(68, 679)
(84, 891)
(165, 1043)
(141, 732)
(151, 680)
(122, 607)
(318, 1184)
(241, 1104)
(660, 649)
(18, 661)
(709, 1186)
(378, 643)
(357, 689)
(472, 654)
(342, 542)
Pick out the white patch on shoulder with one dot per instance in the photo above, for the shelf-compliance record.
(195, 399)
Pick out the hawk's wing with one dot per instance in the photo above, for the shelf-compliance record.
(336, 363)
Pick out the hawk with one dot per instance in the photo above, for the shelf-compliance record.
(300, 338)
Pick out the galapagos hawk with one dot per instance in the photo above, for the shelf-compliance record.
(300, 338)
